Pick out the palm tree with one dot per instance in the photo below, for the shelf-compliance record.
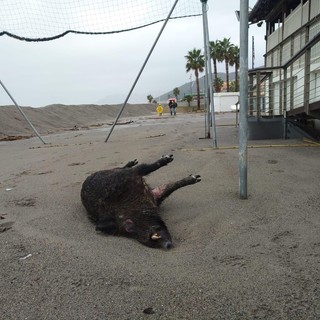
(232, 86)
(188, 98)
(226, 51)
(176, 92)
(219, 84)
(235, 61)
(195, 61)
(216, 56)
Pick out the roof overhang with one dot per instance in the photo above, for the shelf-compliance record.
(263, 8)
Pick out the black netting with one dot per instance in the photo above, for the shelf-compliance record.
(44, 20)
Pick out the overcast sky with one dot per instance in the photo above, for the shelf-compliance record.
(83, 69)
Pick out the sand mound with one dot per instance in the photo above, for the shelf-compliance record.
(57, 117)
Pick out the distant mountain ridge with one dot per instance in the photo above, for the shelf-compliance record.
(187, 88)
(190, 87)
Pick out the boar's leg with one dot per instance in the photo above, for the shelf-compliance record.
(145, 169)
(162, 192)
(107, 224)
(131, 164)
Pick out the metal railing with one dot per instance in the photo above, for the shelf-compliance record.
(274, 91)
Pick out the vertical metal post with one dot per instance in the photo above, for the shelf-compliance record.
(306, 93)
(253, 52)
(22, 113)
(208, 65)
(258, 95)
(291, 88)
(280, 92)
(207, 100)
(243, 125)
(285, 97)
(251, 96)
(142, 68)
(206, 86)
(271, 95)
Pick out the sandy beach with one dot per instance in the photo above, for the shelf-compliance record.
(232, 259)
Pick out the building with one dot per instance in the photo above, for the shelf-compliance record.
(288, 86)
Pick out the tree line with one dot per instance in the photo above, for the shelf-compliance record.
(220, 51)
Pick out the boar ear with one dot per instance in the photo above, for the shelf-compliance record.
(107, 225)
(129, 226)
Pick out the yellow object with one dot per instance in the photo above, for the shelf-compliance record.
(159, 109)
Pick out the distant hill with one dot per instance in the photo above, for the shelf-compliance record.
(190, 87)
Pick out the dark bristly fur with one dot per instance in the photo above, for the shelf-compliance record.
(120, 202)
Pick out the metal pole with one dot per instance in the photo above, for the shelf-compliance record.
(22, 113)
(142, 68)
(207, 109)
(208, 64)
(206, 86)
(253, 52)
(243, 113)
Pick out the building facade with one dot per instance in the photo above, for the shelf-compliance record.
(289, 83)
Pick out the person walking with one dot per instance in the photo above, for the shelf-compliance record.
(174, 107)
(171, 107)
(159, 109)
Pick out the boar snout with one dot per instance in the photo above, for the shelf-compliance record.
(167, 245)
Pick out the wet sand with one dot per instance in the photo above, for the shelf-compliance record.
(232, 259)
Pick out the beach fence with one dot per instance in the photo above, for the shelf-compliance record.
(31, 21)
(21, 111)
(48, 20)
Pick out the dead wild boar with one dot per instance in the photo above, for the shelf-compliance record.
(120, 202)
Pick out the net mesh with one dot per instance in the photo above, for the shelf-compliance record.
(44, 20)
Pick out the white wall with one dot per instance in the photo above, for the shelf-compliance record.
(296, 19)
(224, 100)
(315, 8)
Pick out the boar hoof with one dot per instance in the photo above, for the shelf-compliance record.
(167, 158)
(195, 177)
(131, 164)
